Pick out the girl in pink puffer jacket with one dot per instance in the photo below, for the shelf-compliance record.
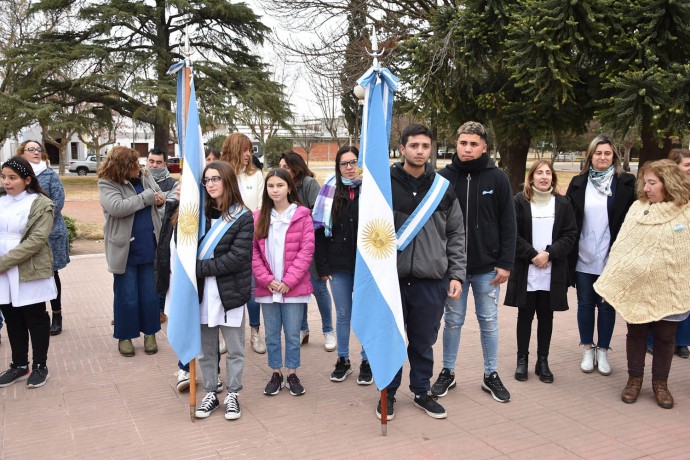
(283, 250)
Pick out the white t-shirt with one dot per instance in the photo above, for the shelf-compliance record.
(595, 238)
(543, 217)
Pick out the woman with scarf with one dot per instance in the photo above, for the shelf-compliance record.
(34, 153)
(600, 195)
(336, 217)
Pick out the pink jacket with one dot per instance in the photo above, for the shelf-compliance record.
(299, 250)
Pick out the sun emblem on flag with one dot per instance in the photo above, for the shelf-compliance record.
(378, 237)
(188, 223)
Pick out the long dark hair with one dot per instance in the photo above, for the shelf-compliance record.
(264, 220)
(298, 166)
(22, 167)
(231, 191)
(341, 192)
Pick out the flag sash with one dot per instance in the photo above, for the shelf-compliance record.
(416, 221)
(215, 233)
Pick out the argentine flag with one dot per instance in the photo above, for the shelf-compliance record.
(184, 329)
(377, 317)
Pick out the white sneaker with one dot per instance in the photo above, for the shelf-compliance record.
(329, 341)
(221, 345)
(587, 364)
(232, 407)
(258, 343)
(182, 380)
(603, 365)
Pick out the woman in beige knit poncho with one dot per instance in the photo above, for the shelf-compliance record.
(645, 279)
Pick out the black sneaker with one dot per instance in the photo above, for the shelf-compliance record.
(390, 408)
(13, 374)
(342, 370)
(444, 382)
(492, 384)
(365, 377)
(294, 385)
(232, 407)
(39, 376)
(207, 406)
(428, 403)
(274, 386)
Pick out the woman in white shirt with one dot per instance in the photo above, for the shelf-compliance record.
(237, 150)
(538, 283)
(601, 196)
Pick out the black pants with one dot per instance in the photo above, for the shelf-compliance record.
(664, 347)
(537, 301)
(422, 304)
(24, 322)
(56, 303)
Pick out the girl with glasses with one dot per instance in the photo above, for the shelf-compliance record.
(224, 282)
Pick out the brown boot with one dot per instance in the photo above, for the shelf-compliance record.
(631, 390)
(663, 396)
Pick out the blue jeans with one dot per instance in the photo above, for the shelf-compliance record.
(286, 317)
(587, 301)
(135, 302)
(486, 308)
(342, 285)
(253, 309)
(323, 300)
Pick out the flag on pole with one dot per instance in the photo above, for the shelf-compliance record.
(184, 330)
(377, 317)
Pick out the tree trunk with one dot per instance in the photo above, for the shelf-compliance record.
(161, 134)
(514, 156)
(650, 150)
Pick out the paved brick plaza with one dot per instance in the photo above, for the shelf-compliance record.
(98, 404)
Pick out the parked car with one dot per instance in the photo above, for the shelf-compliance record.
(174, 165)
(83, 167)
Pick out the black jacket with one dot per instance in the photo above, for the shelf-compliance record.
(236, 262)
(486, 200)
(622, 197)
(563, 238)
(231, 263)
(338, 253)
(438, 250)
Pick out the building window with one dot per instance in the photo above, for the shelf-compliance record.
(74, 150)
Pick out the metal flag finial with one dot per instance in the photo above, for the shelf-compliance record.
(375, 53)
(186, 50)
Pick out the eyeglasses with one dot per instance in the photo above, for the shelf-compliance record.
(351, 163)
(33, 149)
(213, 179)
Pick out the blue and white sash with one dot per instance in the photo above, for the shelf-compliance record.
(422, 213)
(218, 229)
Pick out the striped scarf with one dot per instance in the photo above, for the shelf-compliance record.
(322, 213)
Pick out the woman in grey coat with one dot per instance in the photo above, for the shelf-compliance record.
(35, 154)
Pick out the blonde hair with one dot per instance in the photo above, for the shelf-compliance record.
(527, 188)
(676, 183)
(233, 148)
(596, 142)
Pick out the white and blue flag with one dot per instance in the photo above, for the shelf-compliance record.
(184, 329)
(377, 317)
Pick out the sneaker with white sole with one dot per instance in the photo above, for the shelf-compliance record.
(232, 407)
(274, 385)
(343, 368)
(603, 365)
(444, 382)
(39, 376)
(428, 404)
(207, 406)
(294, 385)
(365, 377)
(13, 374)
(329, 341)
(182, 380)
(493, 385)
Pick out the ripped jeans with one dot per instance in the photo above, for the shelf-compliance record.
(486, 308)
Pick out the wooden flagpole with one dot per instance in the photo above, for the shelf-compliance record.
(384, 412)
(186, 52)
